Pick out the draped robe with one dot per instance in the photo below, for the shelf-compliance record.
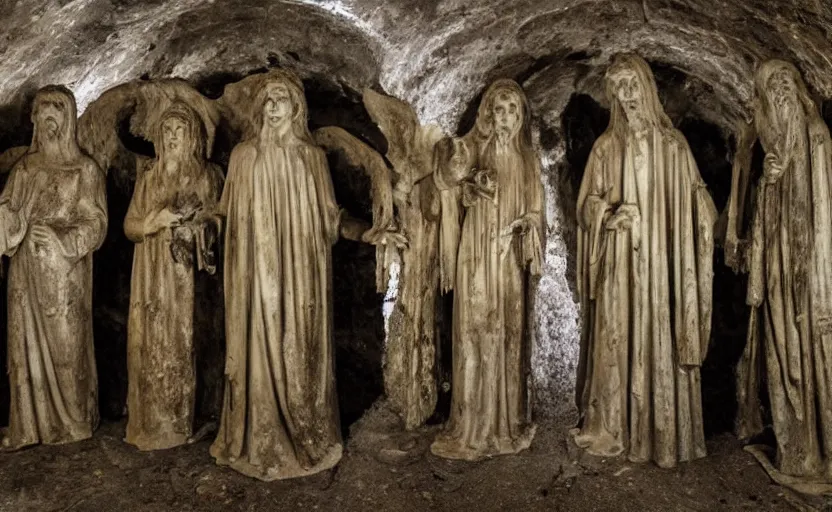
(54, 384)
(487, 270)
(646, 299)
(790, 294)
(280, 413)
(410, 356)
(160, 335)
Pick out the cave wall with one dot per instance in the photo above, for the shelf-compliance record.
(437, 56)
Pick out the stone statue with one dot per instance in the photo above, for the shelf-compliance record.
(170, 221)
(53, 215)
(789, 261)
(645, 269)
(486, 259)
(280, 414)
(410, 351)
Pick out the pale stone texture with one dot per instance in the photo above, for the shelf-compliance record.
(437, 56)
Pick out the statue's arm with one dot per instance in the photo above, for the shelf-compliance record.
(134, 221)
(92, 227)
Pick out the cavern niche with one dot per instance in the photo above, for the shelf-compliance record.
(569, 293)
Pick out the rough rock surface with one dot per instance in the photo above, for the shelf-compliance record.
(439, 56)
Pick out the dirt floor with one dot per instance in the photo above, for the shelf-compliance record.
(385, 469)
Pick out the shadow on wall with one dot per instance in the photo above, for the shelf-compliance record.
(584, 120)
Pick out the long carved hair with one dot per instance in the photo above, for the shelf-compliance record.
(485, 114)
(195, 137)
(765, 120)
(64, 100)
(193, 164)
(300, 112)
(650, 94)
(486, 135)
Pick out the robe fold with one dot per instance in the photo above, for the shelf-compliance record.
(280, 414)
(160, 336)
(646, 299)
(490, 413)
(410, 356)
(54, 384)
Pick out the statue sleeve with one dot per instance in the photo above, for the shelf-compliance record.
(534, 239)
(134, 220)
(449, 218)
(693, 247)
(592, 212)
(330, 212)
(13, 214)
(91, 229)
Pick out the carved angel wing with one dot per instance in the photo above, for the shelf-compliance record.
(143, 103)
(409, 144)
(359, 154)
(98, 127)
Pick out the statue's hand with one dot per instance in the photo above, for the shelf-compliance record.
(773, 168)
(161, 220)
(519, 226)
(391, 238)
(460, 158)
(42, 235)
(624, 218)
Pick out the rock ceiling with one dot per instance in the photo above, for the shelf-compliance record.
(436, 55)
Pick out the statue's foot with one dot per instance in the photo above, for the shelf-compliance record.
(600, 445)
(203, 432)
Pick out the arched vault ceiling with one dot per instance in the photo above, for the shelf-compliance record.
(436, 55)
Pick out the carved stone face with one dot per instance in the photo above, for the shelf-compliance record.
(277, 110)
(630, 94)
(50, 119)
(173, 136)
(782, 90)
(508, 115)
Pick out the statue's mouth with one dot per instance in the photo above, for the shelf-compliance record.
(51, 126)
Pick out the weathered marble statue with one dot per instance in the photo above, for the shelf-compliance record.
(410, 351)
(496, 174)
(168, 219)
(790, 283)
(645, 252)
(280, 413)
(52, 217)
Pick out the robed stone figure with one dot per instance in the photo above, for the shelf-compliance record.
(490, 246)
(53, 215)
(789, 262)
(170, 221)
(280, 414)
(645, 267)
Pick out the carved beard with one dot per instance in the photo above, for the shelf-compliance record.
(49, 135)
(790, 120)
(503, 135)
(634, 111)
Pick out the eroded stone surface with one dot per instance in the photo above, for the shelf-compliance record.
(438, 56)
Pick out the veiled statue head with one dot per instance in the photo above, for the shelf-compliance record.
(279, 107)
(54, 118)
(180, 134)
(782, 97)
(503, 114)
(633, 95)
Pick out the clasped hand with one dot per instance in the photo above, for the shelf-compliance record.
(624, 218)
(773, 168)
(164, 218)
(519, 226)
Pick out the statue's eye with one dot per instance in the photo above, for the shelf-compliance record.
(513, 109)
